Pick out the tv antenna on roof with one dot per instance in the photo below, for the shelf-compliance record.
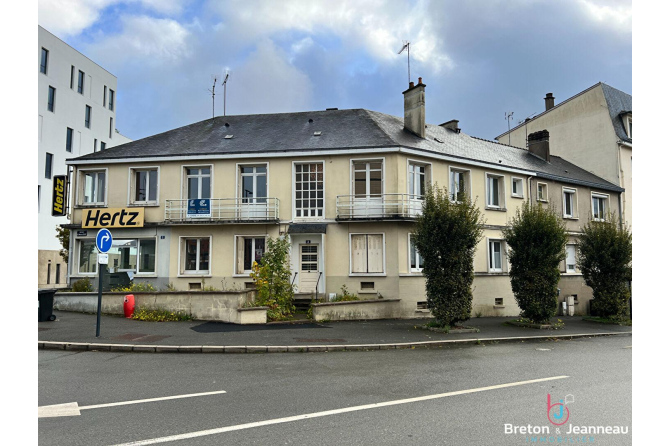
(508, 117)
(212, 91)
(225, 80)
(405, 46)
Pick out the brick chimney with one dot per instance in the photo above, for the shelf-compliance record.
(415, 109)
(538, 144)
(549, 101)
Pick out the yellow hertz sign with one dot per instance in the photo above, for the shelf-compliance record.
(113, 218)
(58, 207)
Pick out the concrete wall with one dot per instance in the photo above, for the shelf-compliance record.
(358, 310)
(213, 306)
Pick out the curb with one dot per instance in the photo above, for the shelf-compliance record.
(86, 346)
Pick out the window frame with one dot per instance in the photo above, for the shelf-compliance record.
(51, 99)
(44, 61)
(606, 199)
(241, 237)
(240, 176)
(49, 166)
(352, 177)
(185, 176)
(88, 116)
(376, 274)
(80, 82)
(104, 96)
(294, 208)
(427, 174)
(537, 192)
(521, 187)
(79, 242)
(69, 139)
(568, 270)
(570, 191)
(136, 271)
(72, 71)
(501, 191)
(467, 181)
(629, 126)
(503, 256)
(417, 256)
(182, 271)
(111, 100)
(132, 192)
(81, 188)
(103, 145)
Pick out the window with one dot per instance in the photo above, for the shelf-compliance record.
(495, 191)
(95, 145)
(144, 188)
(57, 273)
(198, 182)
(309, 190)
(630, 127)
(103, 145)
(367, 253)
(111, 127)
(415, 259)
(93, 187)
(88, 258)
(80, 83)
(48, 166)
(570, 259)
(368, 178)
(517, 187)
(104, 96)
(541, 192)
(496, 256)
(71, 77)
(599, 206)
(49, 272)
(195, 252)
(417, 180)
(459, 184)
(44, 61)
(136, 255)
(87, 117)
(111, 99)
(68, 140)
(250, 249)
(569, 203)
(39, 197)
(51, 100)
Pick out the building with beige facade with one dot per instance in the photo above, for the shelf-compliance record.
(594, 130)
(192, 208)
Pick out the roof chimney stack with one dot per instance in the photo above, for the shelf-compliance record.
(549, 101)
(538, 144)
(415, 109)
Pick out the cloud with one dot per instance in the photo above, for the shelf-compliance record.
(610, 13)
(71, 17)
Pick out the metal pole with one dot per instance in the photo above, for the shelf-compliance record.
(224, 98)
(97, 325)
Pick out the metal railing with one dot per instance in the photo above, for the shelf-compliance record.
(379, 206)
(225, 209)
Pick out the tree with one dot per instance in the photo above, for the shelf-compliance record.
(536, 237)
(63, 235)
(446, 236)
(604, 257)
(272, 276)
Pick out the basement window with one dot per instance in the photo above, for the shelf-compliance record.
(196, 286)
(499, 301)
(367, 286)
(422, 305)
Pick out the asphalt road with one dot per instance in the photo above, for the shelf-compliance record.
(279, 386)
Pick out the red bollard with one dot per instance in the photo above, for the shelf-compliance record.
(129, 305)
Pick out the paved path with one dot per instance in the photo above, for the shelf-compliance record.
(120, 334)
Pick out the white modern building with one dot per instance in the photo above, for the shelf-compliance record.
(76, 115)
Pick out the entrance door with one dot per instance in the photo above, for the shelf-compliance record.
(309, 268)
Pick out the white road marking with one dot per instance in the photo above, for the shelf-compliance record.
(330, 412)
(72, 409)
(543, 349)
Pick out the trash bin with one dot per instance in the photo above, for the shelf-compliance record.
(46, 304)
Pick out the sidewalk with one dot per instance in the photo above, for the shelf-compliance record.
(76, 331)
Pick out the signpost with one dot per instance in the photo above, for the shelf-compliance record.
(103, 241)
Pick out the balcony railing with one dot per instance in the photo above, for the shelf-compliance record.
(382, 206)
(225, 210)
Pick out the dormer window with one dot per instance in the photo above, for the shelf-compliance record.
(630, 127)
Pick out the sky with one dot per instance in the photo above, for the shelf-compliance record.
(478, 59)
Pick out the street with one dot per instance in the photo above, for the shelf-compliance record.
(463, 395)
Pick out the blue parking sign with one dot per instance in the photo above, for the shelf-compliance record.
(103, 241)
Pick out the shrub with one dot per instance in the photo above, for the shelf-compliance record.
(345, 296)
(604, 257)
(272, 277)
(159, 315)
(135, 287)
(446, 237)
(82, 285)
(536, 238)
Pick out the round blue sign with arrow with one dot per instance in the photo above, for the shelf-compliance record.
(103, 241)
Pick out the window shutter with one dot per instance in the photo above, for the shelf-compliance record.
(375, 253)
(358, 254)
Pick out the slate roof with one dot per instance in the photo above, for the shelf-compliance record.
(344, 130)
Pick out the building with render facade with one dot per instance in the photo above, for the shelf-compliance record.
(593, 129)
(192, 208)
(76, 115)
